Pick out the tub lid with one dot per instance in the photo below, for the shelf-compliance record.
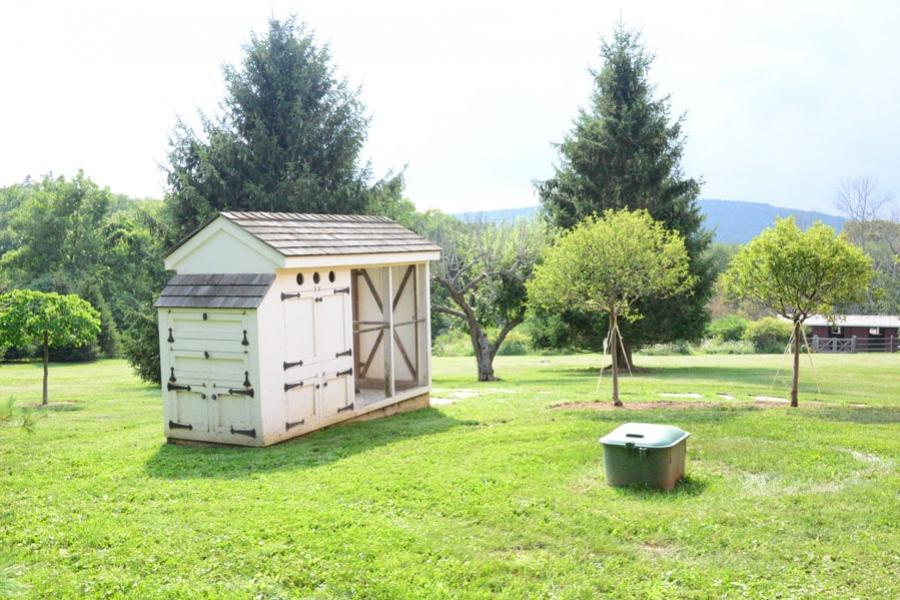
(645, 435)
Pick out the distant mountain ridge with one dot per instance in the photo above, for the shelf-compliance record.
(734, 221)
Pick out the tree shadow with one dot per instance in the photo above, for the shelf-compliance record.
(690, 413)
(865, 416)
(315, 449)
(63, 406)
(693, 372)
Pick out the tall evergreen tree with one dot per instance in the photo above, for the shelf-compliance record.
(288, 139)
(624, 151)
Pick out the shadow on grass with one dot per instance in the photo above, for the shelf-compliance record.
(682, 416)
(694, 372)
(866, 416)
(688, 486)
(309, 451)
(55, 407)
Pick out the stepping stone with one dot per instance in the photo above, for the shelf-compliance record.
(772, 399)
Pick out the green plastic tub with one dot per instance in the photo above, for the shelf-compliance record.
(645, 454)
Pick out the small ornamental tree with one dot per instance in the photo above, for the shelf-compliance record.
(48, 320)
(609, 264)
(797, 273)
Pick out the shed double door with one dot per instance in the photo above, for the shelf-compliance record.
(210, 386)
(318, 356)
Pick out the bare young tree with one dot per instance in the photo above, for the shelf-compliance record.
(861, 200)
(483, 269)
(874, 226)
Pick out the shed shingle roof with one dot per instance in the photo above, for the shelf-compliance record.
(298, 234)
(215, 290)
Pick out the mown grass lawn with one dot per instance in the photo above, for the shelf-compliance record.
(495, 495)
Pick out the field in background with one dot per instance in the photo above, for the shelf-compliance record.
(493, 493)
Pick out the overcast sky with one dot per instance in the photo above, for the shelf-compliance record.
(782, 99)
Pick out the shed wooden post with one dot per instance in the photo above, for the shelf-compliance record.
(388, 349)
(853, 344)
(426, 286)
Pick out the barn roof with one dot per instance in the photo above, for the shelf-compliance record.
(300, 234)
(244, 290)
(888, 321)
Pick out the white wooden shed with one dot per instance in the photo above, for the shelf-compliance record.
(278, 324)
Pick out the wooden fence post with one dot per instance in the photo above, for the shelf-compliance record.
(853, 344)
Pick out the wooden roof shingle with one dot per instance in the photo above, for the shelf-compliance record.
(301, 234)
(243, 290)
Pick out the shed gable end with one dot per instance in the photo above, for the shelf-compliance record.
(223, 248)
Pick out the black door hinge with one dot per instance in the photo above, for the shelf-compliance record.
(174, 425)
(286, 296)
(174, 387)
(247, 432)
(290, 386)
(235, 392)
(170, 339)
(347, 352)
(245, 341)
(291, 424)
(345, 408)
(344, 372)
(172, 374)
(343, 290)
(288, 365)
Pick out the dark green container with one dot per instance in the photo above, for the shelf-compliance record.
(645, 454)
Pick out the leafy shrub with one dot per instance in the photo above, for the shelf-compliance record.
(72, 353)
(517, 343)
(729, 328)
(456, 342)
(565, 332)
(453, 342)
(769, 335)
(12, 353)
(672, 348)
(141, 344)
(714, 346)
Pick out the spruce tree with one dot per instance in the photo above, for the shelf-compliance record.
(624, 151)
(288, 139)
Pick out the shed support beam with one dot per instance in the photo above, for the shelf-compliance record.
(388, 341)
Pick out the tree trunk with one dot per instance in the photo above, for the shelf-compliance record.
(46, 361)
(484, 354)
(614, 355)
(796, 377)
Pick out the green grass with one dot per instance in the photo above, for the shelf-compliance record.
(494, 496)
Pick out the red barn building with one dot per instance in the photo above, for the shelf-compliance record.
(855, 333)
